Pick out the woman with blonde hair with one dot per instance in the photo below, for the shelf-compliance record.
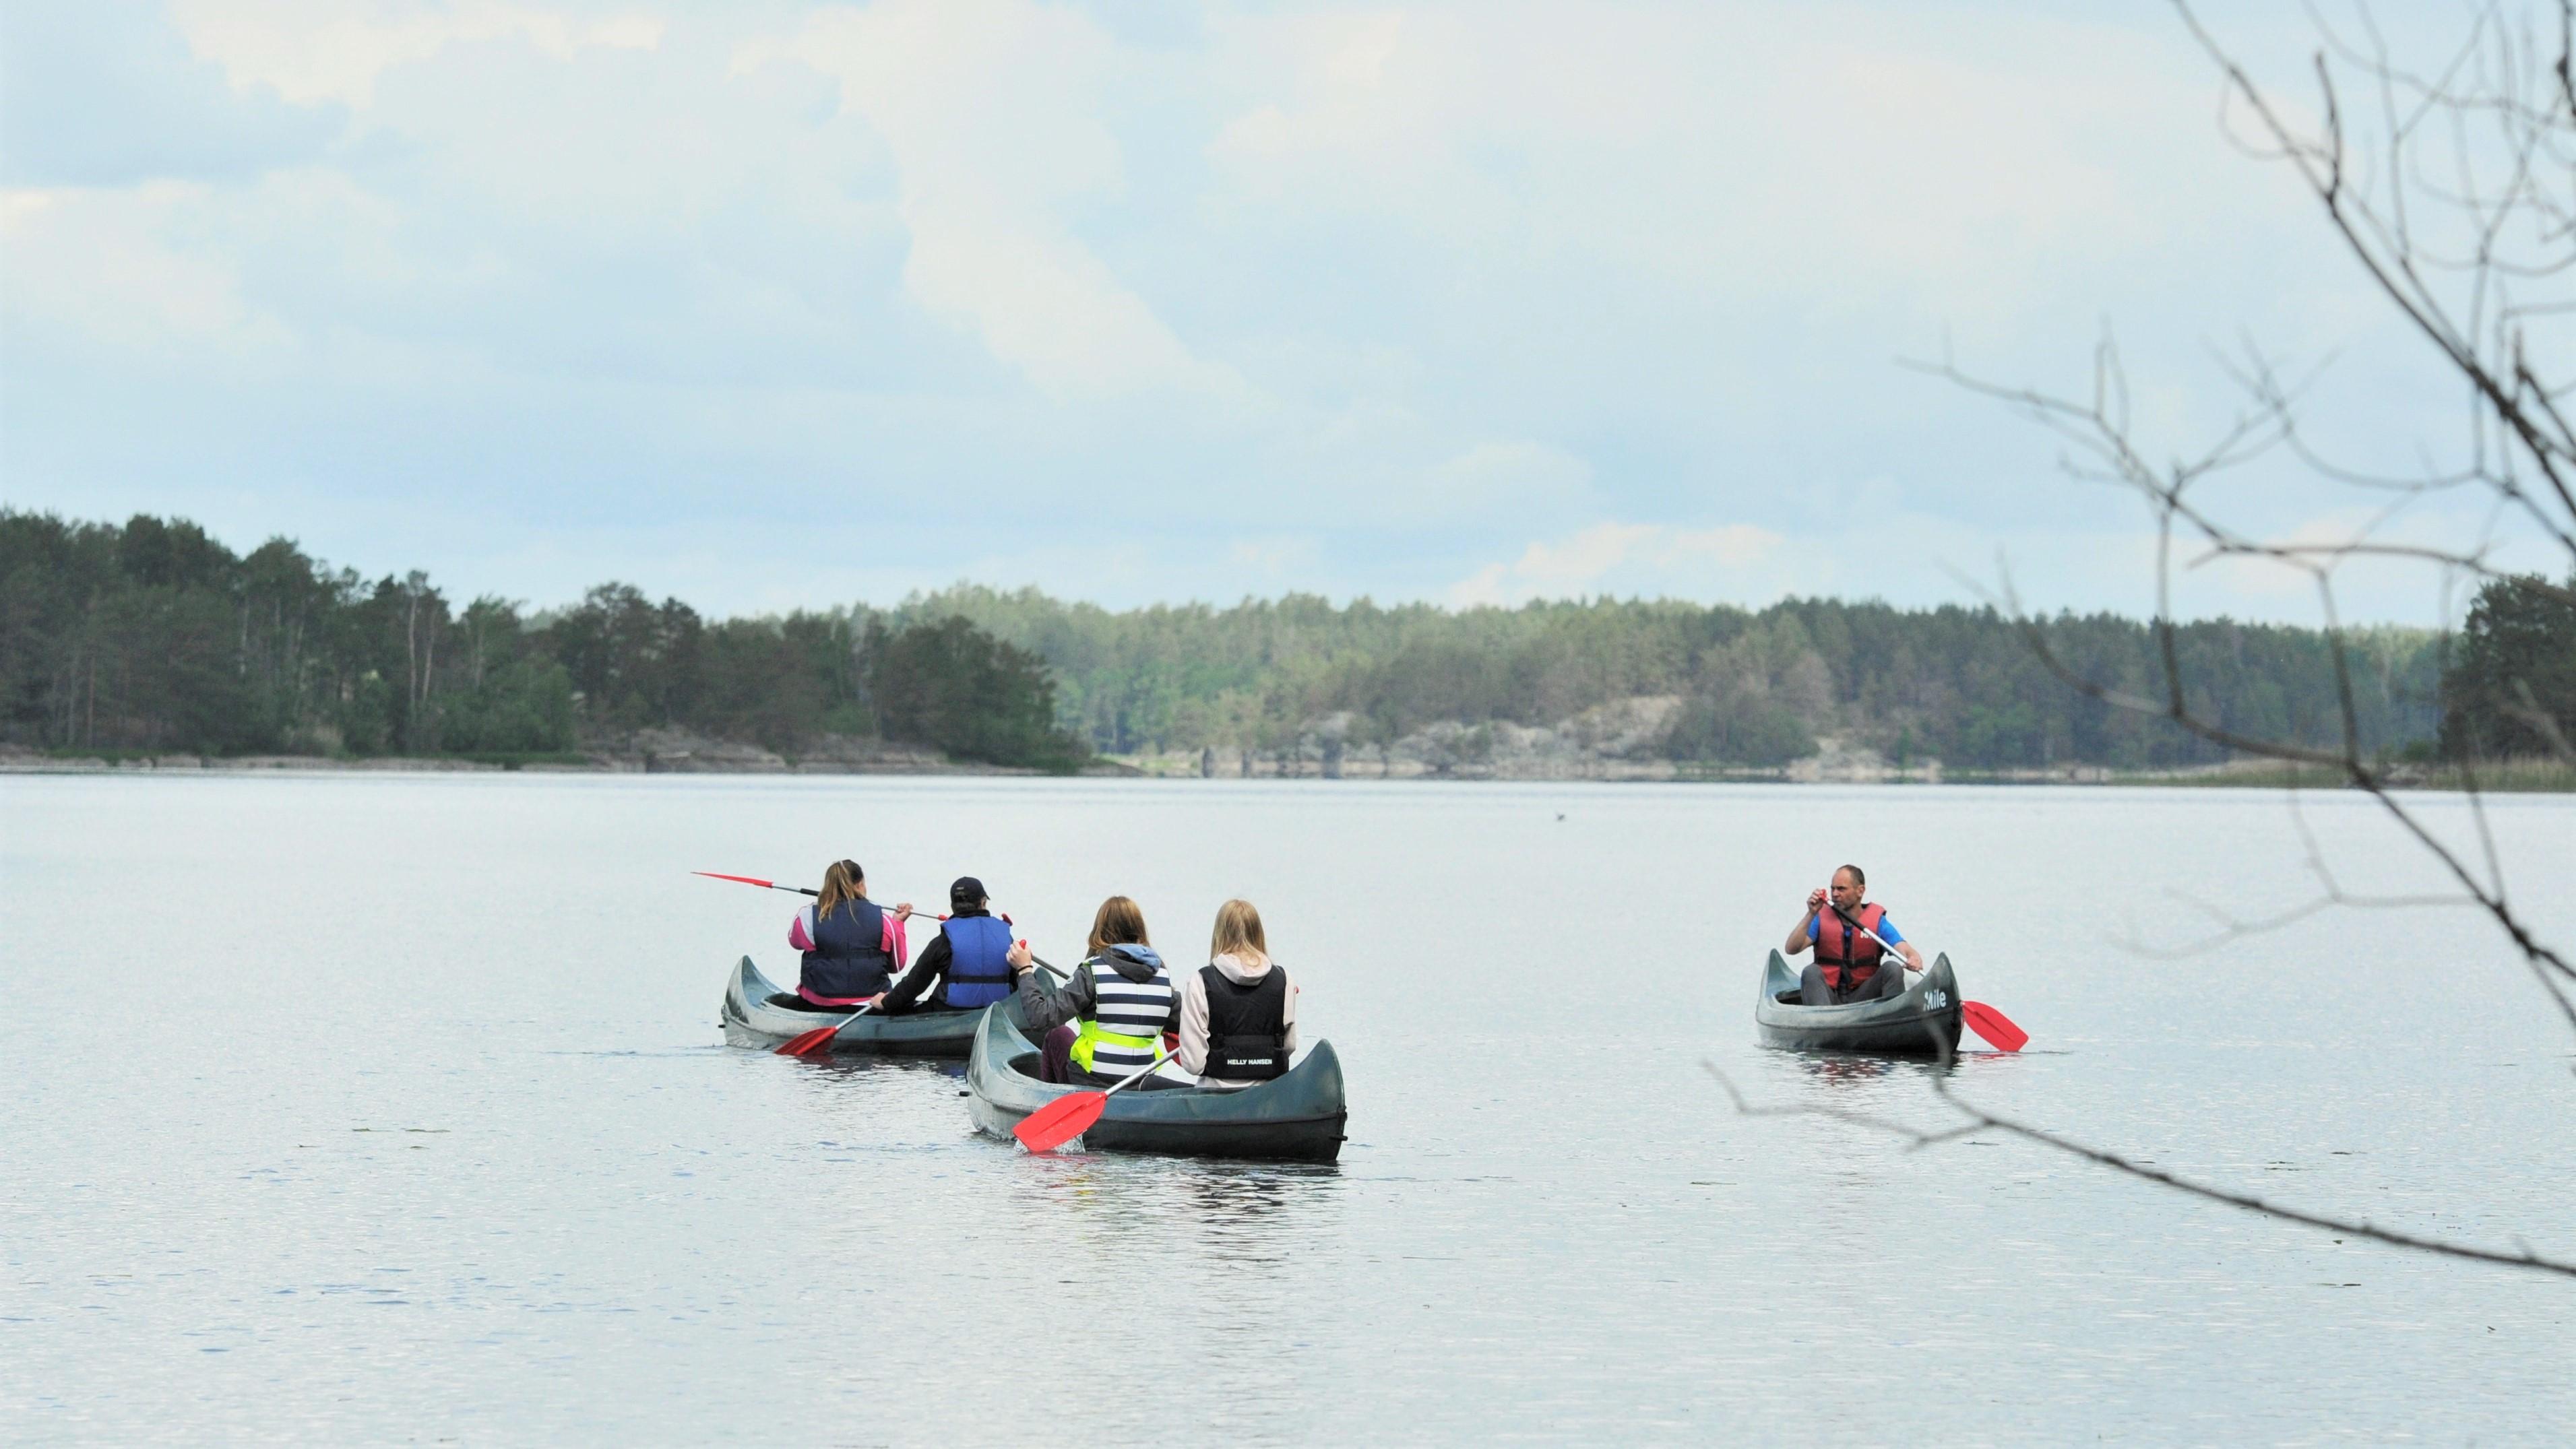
(1238, 1012)
(1109, 1017)
(850, 944)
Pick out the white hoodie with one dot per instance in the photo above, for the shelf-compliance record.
(1194, 1013)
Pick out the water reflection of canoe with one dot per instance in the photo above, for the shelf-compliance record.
(1296, 1118)
(1923, 1022)
(751, 1019)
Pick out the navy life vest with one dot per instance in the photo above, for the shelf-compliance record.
(979, 971)
(849, 958)
(1849, 958)
(1247, 1026)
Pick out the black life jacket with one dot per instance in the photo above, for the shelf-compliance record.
(979, 972)
(1247, 1026)
(849, 958)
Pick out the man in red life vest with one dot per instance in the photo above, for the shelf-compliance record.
(1846, 967)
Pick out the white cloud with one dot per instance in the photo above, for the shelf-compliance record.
(1847, 153)
(1635, 559)
(1515, 474)
(335, 50)
(993, 110)
(110, 269)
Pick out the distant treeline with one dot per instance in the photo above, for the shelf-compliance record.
(1760, 687)
(153, 636)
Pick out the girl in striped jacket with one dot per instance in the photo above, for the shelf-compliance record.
(1111, 1015)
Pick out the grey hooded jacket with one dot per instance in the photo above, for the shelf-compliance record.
(1044, 1010)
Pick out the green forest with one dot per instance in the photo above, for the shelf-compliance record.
(152, 636)
(1753, 688)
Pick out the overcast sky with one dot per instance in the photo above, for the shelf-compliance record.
(768, 304)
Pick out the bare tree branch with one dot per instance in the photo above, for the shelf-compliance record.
(2394, 267)
(1978, 1119)
(2453, 255)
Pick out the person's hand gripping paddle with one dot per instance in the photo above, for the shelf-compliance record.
(1069, 1116)
(1997, 1028)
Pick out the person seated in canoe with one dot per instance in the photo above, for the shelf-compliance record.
(969, 958)
(1109, 1017)
(1847, 962)
(851, 945)
(1239, 1011)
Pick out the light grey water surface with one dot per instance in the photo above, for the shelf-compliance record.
(394, 1108)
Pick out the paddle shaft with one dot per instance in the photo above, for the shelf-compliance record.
(771, 885)
(1845, 917)
(1139, 1074)
(753, 880)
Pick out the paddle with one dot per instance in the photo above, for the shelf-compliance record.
(1068, 1116)
(755, 880)
(1994, 1026)
(806, 1042)
(1984, 1020)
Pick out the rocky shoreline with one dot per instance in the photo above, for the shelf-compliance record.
(647, 752)
(1500, 752)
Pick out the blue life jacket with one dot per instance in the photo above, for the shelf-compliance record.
(849, 958)
(979, 971)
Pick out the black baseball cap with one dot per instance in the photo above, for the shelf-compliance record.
(966, 892)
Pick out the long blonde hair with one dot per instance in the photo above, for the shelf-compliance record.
(842, 881)
(1120, 922)
(1238, 933)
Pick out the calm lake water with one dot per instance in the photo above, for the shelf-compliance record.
(394, 1108)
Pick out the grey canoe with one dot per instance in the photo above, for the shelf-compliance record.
(1924, 1022)
(752, 1020)
(1295, 1118)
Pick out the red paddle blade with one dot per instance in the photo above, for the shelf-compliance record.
(1994, 1026)
(1060, 1121)
(805, 1042)
(745, 879)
